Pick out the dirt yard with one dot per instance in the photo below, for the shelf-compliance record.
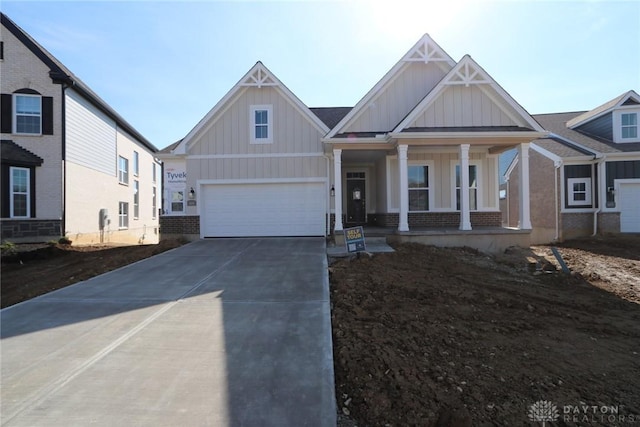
(37, 269)
(453, 337)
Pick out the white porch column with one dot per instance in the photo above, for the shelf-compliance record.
(465, 215)
(337, 182)
(403, 224)
(525, 212)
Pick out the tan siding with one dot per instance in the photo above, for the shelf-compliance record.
(463, 106)
(398, 99)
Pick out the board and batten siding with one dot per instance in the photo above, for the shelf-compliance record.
(90, 135)
(442, 185)
(398, 98)
(602, 126)
(256, 168)
(463, 106)
(230, 131)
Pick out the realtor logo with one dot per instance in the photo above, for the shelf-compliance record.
(543, 411)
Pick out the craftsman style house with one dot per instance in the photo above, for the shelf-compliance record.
(420, 149)
(70, 164)
(585, 175)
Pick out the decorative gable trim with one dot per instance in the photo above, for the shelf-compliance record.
(467, 72)
(630, 98)
(425, 50)
(258, 76)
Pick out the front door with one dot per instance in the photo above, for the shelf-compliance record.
(356, 200)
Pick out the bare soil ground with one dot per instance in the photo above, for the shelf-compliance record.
(452, 337)
(37, 269)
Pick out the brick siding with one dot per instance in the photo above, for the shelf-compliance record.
(180, 224)
(31, 229)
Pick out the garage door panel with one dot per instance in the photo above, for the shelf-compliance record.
(291, 209)
(630, 207)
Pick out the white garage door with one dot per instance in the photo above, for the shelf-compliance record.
(237, 210)
(630, 207)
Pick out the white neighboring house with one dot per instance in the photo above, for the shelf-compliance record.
(585, 176)
(70, 164)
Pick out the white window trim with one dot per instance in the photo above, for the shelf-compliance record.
(121, 172)
(588, 192)
(430, 165)
(617, 124)
(122, 216)
(136, 203)
(15, 114)
(11, 193)
(252, 120)
(136, 163)
(478, 187)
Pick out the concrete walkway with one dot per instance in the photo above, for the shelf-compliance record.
(225, 332)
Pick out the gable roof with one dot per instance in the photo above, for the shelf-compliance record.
(425, 50)
(604, 109)
(61, 74)
(467, 72)
(257, 76)
(11, 152)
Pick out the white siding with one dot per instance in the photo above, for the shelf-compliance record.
(463, 106)
(90, 135)
(398, 98)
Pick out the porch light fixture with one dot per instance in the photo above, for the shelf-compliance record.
(192, 194)
(333, 191)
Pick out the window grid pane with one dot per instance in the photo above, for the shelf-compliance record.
(28, 112)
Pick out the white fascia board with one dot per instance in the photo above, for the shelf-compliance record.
(631, 155)
(548, 154)
(302, 108)
(511, 167)
(574, 124)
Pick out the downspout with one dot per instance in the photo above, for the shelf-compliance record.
(557, 165)
(599, 208)
(63, 157)
(327, 230)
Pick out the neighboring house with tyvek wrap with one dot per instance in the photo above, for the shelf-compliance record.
(70, 164)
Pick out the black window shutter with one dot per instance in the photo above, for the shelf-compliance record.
(5, 113)
(47, 115)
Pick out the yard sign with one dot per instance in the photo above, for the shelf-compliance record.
(354, 239)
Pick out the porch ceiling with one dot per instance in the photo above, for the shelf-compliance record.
(364, 155)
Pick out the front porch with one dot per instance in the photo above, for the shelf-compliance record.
(485, 239)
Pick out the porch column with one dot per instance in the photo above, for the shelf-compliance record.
(525, 213)
(337, 182)
(403, 223)
(465, 215)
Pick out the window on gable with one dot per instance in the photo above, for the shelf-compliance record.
(28, 114)
(418, 188)
(261, 124)
(629, 122)
(123, 215)
(579, 191)
(473, 187)
(19, 198)
(123, 170)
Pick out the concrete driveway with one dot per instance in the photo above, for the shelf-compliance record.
(225, 332)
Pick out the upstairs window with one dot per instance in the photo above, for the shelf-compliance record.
(123, 170)
(629, 125)
(28, 114)
(261, 124)
(136, 163)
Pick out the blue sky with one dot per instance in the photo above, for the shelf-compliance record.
(164, 65)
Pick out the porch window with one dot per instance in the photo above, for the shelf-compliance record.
(418, 188)
(473, 187)
(579, 191)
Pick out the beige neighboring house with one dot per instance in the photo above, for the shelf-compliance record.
(418, 154)
(585, 176)
(70, 164)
